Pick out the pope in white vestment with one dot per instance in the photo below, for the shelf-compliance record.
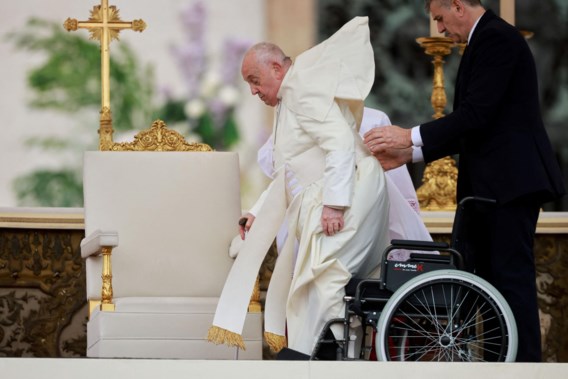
(320, 166)
(405, 221)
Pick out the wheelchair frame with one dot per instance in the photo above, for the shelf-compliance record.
(426, 308)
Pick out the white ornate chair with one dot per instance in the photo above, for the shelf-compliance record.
(168, 218)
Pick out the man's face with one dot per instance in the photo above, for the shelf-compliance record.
(263, 79)
(449, 21)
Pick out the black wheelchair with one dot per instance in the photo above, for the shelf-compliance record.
(424, 309)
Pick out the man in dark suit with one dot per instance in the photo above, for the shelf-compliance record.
(504, 154)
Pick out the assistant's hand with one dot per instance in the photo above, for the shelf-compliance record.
(245, 223)
(387, 137)
(393, 158)
(331, 220)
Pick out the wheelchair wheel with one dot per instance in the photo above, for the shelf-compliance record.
(447, 315)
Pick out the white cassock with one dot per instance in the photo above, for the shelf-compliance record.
(405, 221)
(318, 159)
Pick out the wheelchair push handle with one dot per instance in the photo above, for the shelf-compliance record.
(480, 199)
(421, 245)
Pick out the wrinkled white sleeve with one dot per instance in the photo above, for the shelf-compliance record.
(336, 138)
(399, 178)
(371, 119)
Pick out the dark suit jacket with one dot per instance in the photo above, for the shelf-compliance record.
(496, 126)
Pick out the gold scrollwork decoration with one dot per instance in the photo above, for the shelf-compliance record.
(105, 130)
(42, 292)
(439, 185)
(138, 25)
(97, 16)
(71, 24)
(160, 138)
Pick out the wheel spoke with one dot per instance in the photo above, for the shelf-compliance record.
(446, 319)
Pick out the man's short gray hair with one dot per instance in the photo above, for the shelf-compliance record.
(447, 3)
(266, 52)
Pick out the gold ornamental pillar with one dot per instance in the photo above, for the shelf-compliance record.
(439, 182)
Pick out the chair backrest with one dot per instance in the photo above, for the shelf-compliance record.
(175, 213)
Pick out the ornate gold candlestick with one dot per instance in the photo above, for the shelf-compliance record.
(438, 48)
(439, 183)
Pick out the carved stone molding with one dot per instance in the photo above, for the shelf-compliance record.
(42, 293)
(552, 285)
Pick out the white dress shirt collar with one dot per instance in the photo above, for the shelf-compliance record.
(473, 29)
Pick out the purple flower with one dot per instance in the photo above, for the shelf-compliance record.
(213, 93)
(234, 51)
(191, 56)
(193, 19)
(192, 64)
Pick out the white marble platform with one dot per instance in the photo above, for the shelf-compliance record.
(33, 368)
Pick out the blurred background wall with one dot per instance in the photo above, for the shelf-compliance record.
(184, 68)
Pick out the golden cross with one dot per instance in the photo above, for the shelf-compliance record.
(104, 25)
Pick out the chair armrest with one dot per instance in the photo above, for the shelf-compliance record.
(235, 247)
(93, 243)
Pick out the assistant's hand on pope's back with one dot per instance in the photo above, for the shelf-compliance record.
(387, 137)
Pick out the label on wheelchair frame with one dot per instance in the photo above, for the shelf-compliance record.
(408, 267)
(398, 273)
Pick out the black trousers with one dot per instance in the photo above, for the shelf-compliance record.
(497, 242)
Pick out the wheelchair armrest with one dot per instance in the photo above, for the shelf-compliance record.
(94, 243)
(418, 245)
(425, 246)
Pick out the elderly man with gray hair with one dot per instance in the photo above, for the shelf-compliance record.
(327, 185)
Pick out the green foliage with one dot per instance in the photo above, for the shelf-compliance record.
(220, 139)
(231, 131)
(221, 134)
(172, 111)
(69, 81)
(47, 188)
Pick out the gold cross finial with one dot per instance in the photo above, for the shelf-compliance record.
(104, 25)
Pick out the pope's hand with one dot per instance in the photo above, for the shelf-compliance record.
(331, 220)
(387, 137)
(245, 223)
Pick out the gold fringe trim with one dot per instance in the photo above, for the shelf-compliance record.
(223, 336)
(275, 342)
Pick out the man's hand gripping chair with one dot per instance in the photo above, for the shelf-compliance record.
(168, 217)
